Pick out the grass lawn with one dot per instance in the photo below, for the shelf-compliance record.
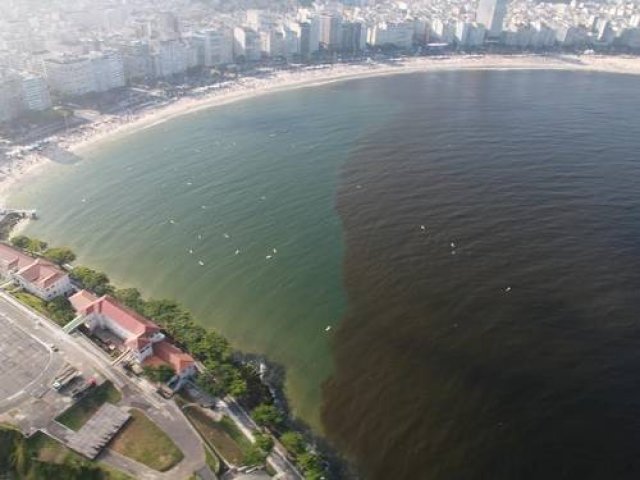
(223, 437)
(143, 441)
(31, 301)
(78, 414)
(59, 315)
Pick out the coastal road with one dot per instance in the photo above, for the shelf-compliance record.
(278, 457)
(37, 333)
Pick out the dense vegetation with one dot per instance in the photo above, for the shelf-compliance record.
(222, 375)
(40, 458)
(59, 309)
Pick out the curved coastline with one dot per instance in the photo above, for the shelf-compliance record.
(108, 127)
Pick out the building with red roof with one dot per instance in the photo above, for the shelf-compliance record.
(138, 334)
(35, 275)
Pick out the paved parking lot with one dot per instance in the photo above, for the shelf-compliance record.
(22, 360)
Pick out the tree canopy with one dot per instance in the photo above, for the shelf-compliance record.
(293, 442)
(31, 245)
(267, 416)
(59, 255)
(159, 374)
(93, 280)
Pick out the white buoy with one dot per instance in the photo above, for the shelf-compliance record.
(453, 245)
(191, 251)
(423, 228)
(225, 235)
(199, 237)
(172, 222)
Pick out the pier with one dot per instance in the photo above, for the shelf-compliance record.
(24, 213)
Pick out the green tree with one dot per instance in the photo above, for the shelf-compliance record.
(159, 309)
(31, 245)
(293, 442)
(237, 387)
(160, 374)
(311, 465)
(60, 310)
(93, 280)
(59, 255)
(207, 382)
(264, 442)
(267, 416)
(130, 297)
(21, 241)
(254, 456)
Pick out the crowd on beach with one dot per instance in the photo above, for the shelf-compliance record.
(24, 159)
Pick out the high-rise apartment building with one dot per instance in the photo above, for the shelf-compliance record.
(35, 93)
(491, 14)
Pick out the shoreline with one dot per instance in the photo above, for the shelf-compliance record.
(107, 127)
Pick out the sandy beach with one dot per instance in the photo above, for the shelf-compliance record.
(108, 126)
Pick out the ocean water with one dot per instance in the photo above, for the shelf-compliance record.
(499, 341)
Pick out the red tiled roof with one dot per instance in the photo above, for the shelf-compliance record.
(41, 273)
(81, 299)
(137, 343)
(131, 321)
(172, 355)
(13, 258)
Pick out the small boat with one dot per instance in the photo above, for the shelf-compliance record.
(191, 251)
(225, 235)
(507, 290)
(453, 245)
(237, 252)
(268, 257)
(201, 263)
(327, 328)
(275, 250)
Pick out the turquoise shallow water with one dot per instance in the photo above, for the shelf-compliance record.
(262, 173)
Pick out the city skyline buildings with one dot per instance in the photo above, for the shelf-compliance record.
(78, 48)
(491, 14)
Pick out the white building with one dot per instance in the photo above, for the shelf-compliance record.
(214, 47)
(399, 35)
(246, 44)
(172, 57)
(136, 59)
(143, 338)
(491, 14)
(70, 75)
(108, 70)
(35, 93)
(44, 280)
(80, 75)
(37, 276)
